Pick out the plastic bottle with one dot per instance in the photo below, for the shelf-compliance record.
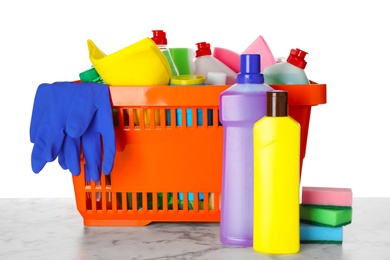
(290, 71)
(91, 75)
(159, 37)
(276, 178)
(186, 80)
(216, 78)
(205, 63)
(241, 105)
(184, 60)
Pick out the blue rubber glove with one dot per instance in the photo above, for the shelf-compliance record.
(90, 117)
(67, 115)
(69, 155)
(47, 126)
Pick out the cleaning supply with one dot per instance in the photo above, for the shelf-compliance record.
(241, 105)
(291, 76)
(289, 72)
(260, 46)
(314, 234)
(184, 60)
(91, 75)
(186, 80)
(205, 62)
(327, 196)
(276, 139)
(333, 217)
(216, 78)
(159, 37)
(68, 116)
(228, 57)
(139, 64)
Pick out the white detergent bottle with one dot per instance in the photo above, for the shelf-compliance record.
(205, 63)
(290, 71)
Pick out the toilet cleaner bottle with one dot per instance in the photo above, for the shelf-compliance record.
(291, 71)
(205, 63)
(160, 39)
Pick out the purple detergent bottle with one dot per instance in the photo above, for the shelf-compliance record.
(241, 105)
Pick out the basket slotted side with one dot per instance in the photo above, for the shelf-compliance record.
(157, 162)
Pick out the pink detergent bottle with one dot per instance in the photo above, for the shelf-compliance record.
(241, 105)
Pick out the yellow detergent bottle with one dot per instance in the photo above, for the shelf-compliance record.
(276, 139)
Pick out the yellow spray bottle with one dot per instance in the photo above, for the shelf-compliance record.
(276, 139)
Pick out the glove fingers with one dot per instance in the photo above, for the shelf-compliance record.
(86, 173)
(71, 150)
(109, 156)
(37, 160)
(103, 123)
(42, 152)
(62, 160)
(92, 150)
(106, 129)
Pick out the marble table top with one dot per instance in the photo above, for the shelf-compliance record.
(53, 229)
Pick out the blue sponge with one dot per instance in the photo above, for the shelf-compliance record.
(314, 234)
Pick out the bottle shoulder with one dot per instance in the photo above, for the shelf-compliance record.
(282, 122)
(209, 63)
(285, 73)
(247, 88)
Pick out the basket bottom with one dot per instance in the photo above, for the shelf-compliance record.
(116, 223)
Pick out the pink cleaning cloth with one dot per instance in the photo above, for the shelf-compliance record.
(228, 57)
(259, 46)
(327, 196)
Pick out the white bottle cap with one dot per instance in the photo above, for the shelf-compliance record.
(216, 78)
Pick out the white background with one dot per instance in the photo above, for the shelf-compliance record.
(348, 45)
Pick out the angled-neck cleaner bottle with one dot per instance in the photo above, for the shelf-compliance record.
(241, 105)
(276, 178)
(205, 63)
(160, 39)
(290, 71)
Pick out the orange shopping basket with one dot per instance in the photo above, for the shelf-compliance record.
(167, 168)
(163, 171)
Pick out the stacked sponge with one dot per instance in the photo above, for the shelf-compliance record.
(323, 214)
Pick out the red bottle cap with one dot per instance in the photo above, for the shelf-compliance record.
(159, 37)
(203, 49)
(297, 58)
